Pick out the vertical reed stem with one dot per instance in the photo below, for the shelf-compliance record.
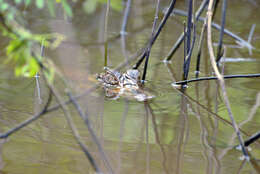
(223, 20)
(105, 34)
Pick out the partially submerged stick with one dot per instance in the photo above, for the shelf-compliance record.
(150, 44)
(216, 78)
(158, 31)
(221, 80)
(240, 41)
(220, 42)
(181, 37)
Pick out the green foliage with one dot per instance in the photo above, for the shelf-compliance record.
(21, 49)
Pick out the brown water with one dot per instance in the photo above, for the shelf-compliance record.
(173, 133)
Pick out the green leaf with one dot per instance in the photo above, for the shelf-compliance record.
(89, 6)
(34, 67)
(66, 8)
(40, 3)
(51, 5)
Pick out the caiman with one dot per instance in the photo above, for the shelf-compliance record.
(126, 84)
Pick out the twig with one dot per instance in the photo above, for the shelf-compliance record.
(252, 139)
(189, 50)
(221, 80)
(37, 76)
(150, 44)
(125, 18)
(215, 78)
(160, 27)
(200, 48)
(180, 39)
(91, 131)
(123, 28)
(250, 36)
(240, 41)
(105, 34)
(223, 20)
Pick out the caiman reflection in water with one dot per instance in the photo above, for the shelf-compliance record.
(127, 84)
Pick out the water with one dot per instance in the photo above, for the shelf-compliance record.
(173, 133)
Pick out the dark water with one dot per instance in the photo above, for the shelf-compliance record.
(173, 133)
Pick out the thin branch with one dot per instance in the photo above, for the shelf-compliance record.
(215, 78)
(105, 34)
(191, 19)
(181, 37)
(252, 139)
(160, 27)
(200, 48)
(223, 21)
(239, 40)
(221, 80)
(150, 45)
(125, 18)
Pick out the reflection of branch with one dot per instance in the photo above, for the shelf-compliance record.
(91, 131)
(205, 137)
(28, 121)
(121, 134)
(157, 138)
(73, 127)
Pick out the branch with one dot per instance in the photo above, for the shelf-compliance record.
(215, 78)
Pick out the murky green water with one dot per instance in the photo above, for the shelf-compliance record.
(173, 133)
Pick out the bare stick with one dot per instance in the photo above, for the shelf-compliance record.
(158, 31)
(215, 78)
(240, 41)
(200, 48)
(192, 26)
(252, 139)
(105, 34)
(223, 20)
(150, 45)
(125, 18)
(91, 131)
(123, 28)
(180, 39)
(221, 80)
